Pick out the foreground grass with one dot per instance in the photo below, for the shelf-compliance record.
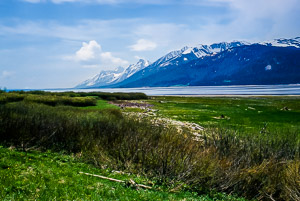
(50, 176)
(254, 162)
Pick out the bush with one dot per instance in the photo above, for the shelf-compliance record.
(62, 100)
(102, 95)
(28, 124)
(10, 97)
(115, 96)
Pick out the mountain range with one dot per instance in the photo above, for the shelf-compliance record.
(234, 63)
(110, 77)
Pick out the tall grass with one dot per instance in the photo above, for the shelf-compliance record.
(102, 95)
(62, 100)
(48, 100)
(10, 97)
(261, 166)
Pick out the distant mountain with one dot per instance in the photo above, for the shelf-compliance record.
(245, 65)
(294, 42)
(187, 54)
(132, 69)
(178, 58)
(103, 78)
(271, 62)
(110, 77)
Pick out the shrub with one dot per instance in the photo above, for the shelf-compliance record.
(116, 96)
(102, 95)
(10, 97)
(61, 100)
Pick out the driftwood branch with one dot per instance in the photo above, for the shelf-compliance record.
(102, 177)
(116, 180)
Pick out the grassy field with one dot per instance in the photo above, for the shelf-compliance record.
(101, 104)
(53, 176)
(246, 113)
(249, 147)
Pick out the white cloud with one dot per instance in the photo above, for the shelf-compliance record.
(268, 18)
(143, 45)
(167, 34)
(81, 31)
(88, 51)
(90, 55)
(91, 66)
(63, 1)
(108, 58)
(86, 1)
(70, 1)
(155, 2)
(6, 74)
(33, 1)
(138, 57)
(257, 9)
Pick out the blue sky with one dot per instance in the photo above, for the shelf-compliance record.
(60, 43)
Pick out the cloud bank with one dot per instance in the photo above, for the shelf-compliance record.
(6, 74)
(143, 45)
(156, 2)
(91, 55)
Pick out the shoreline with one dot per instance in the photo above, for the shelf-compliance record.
(226, 95)
(202, 91)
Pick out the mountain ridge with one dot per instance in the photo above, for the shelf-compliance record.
(109, 77)
(172, 63)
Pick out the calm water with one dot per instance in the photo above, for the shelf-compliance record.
(208, 90)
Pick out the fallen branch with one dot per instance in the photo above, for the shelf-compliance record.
(116, 180)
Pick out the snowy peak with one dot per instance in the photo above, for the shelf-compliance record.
(120, 69)
(282, 42)
(108, 77)
(103, 78)
(205, 50)
(189, 53)
(132, 69)
(141, 64)
(169, 57)
(180, 58)
(220, 47)
(199, 51)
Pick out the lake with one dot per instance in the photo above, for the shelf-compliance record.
(292, 89)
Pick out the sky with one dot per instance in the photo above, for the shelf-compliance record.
(60, 43)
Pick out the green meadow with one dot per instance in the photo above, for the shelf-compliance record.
(249, 148)
(246, 113)
(101, 104)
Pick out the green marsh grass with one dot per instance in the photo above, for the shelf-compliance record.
(101, 104)
(100, 95)
(250, 113)
(260, 163)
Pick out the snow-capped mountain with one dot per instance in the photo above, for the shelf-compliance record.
(190, 53)
(103, 78)
(113, 76)
(282, 42)
(270, 62)
(180, 57)
(132, 69)
(246, 65)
